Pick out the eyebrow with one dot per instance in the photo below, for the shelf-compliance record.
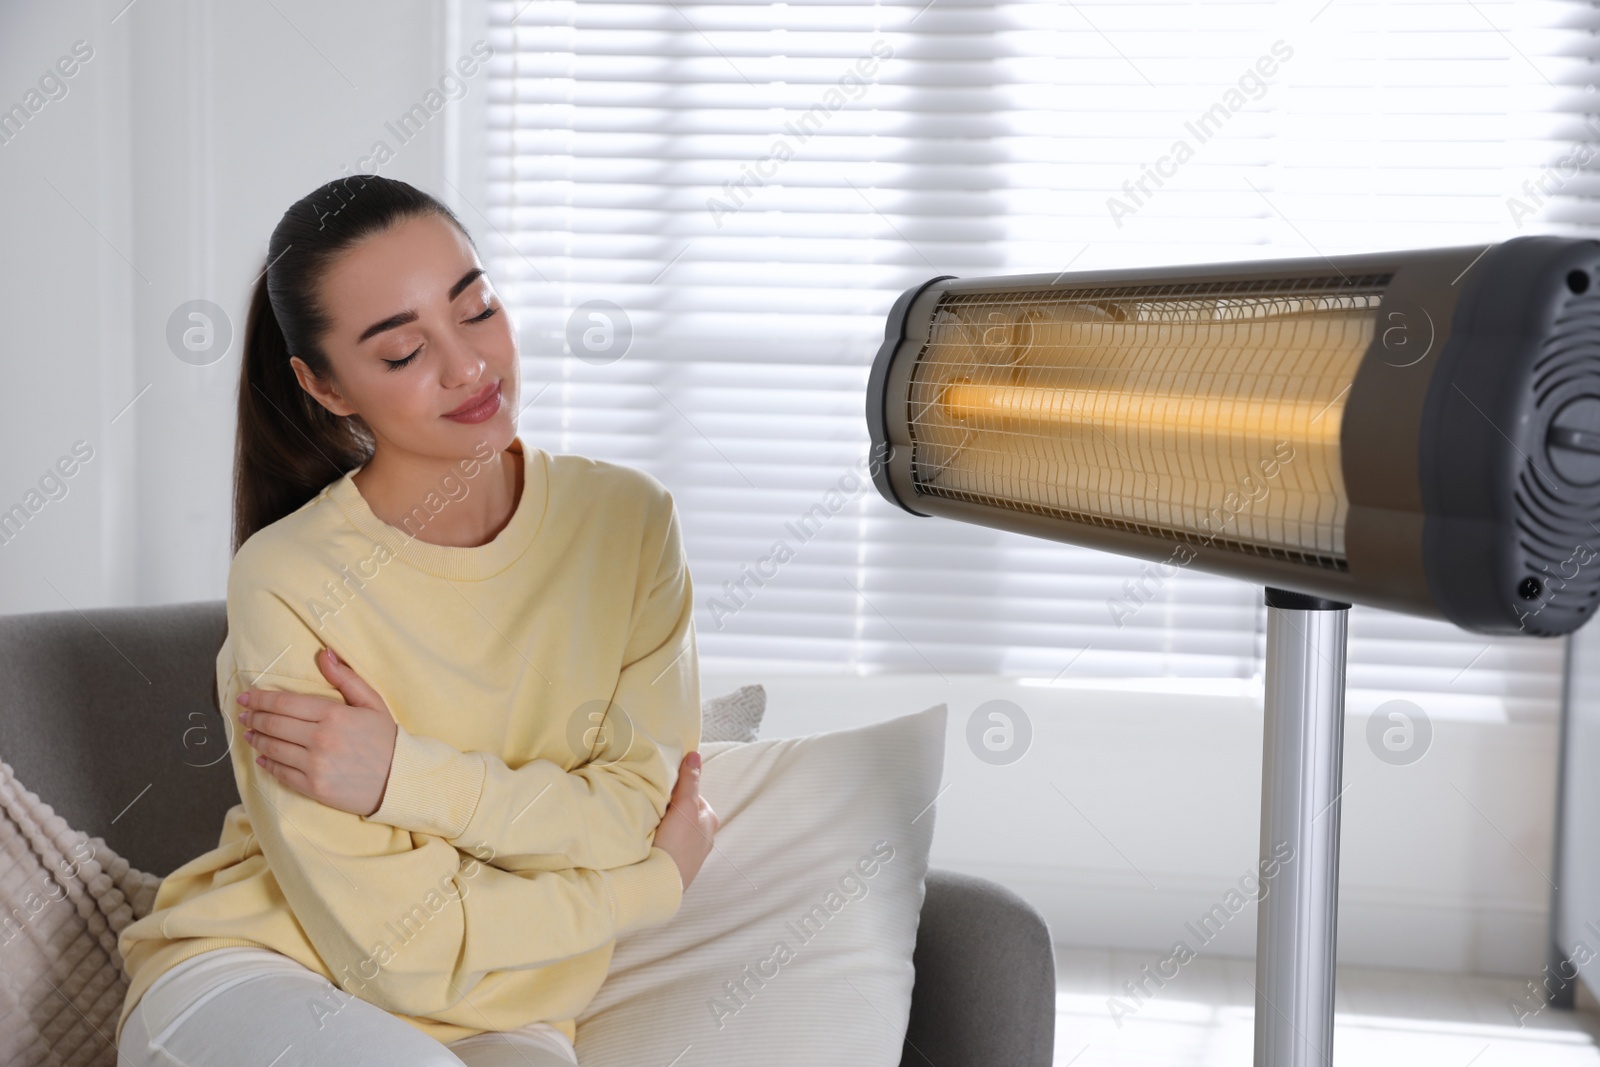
(395, 321)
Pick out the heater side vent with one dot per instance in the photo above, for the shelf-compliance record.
(1206, 411)
(1558, 484)
(1508, 462)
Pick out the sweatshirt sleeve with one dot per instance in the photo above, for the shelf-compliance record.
(602, 814)
(350, 882)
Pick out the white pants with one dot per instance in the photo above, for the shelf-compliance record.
(252, 1007)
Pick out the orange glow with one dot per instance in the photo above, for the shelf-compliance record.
(1201, 416)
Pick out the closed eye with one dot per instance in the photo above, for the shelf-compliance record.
(396, 364)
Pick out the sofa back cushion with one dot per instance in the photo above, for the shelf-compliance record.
(110, 715)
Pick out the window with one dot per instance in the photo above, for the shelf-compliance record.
(702, 213)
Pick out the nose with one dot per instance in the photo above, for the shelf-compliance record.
(463, 365)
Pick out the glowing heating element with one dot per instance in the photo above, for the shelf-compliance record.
(1205, 413)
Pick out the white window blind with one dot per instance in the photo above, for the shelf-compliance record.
(752, 184)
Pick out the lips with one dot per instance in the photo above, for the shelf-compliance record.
(476, 401)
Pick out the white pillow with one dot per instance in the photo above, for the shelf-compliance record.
(793, 944)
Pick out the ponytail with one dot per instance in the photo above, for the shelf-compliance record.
(288, 445)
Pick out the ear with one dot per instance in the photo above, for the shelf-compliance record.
(326, 395)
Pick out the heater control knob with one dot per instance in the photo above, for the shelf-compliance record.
(1573, 441)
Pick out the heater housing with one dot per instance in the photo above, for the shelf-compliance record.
(1414, 430)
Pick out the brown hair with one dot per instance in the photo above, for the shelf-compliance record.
(288, 446)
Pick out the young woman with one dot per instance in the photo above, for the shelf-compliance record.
(460, 678)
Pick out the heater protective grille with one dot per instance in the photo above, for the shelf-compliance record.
(1206, 412)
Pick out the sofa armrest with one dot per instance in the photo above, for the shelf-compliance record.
(985, 992)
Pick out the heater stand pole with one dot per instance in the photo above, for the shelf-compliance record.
(1300, 787)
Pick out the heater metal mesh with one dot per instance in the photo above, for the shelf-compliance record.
(1205, 412)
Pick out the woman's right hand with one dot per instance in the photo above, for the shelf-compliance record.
(690, 823)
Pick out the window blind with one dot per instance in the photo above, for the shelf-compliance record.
(702, 212)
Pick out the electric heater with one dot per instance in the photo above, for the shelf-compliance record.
(1415, 430)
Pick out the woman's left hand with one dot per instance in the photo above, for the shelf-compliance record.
(337, 753)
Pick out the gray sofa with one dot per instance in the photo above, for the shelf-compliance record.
(110, 713)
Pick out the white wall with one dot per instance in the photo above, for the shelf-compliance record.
(67, 304)
(157, 179)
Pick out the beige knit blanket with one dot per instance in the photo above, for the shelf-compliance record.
(64, 899)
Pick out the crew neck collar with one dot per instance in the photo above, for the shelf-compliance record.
(452, 561)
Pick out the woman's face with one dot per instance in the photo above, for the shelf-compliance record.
(417, 333)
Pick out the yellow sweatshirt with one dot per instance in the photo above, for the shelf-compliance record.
(546, 687)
